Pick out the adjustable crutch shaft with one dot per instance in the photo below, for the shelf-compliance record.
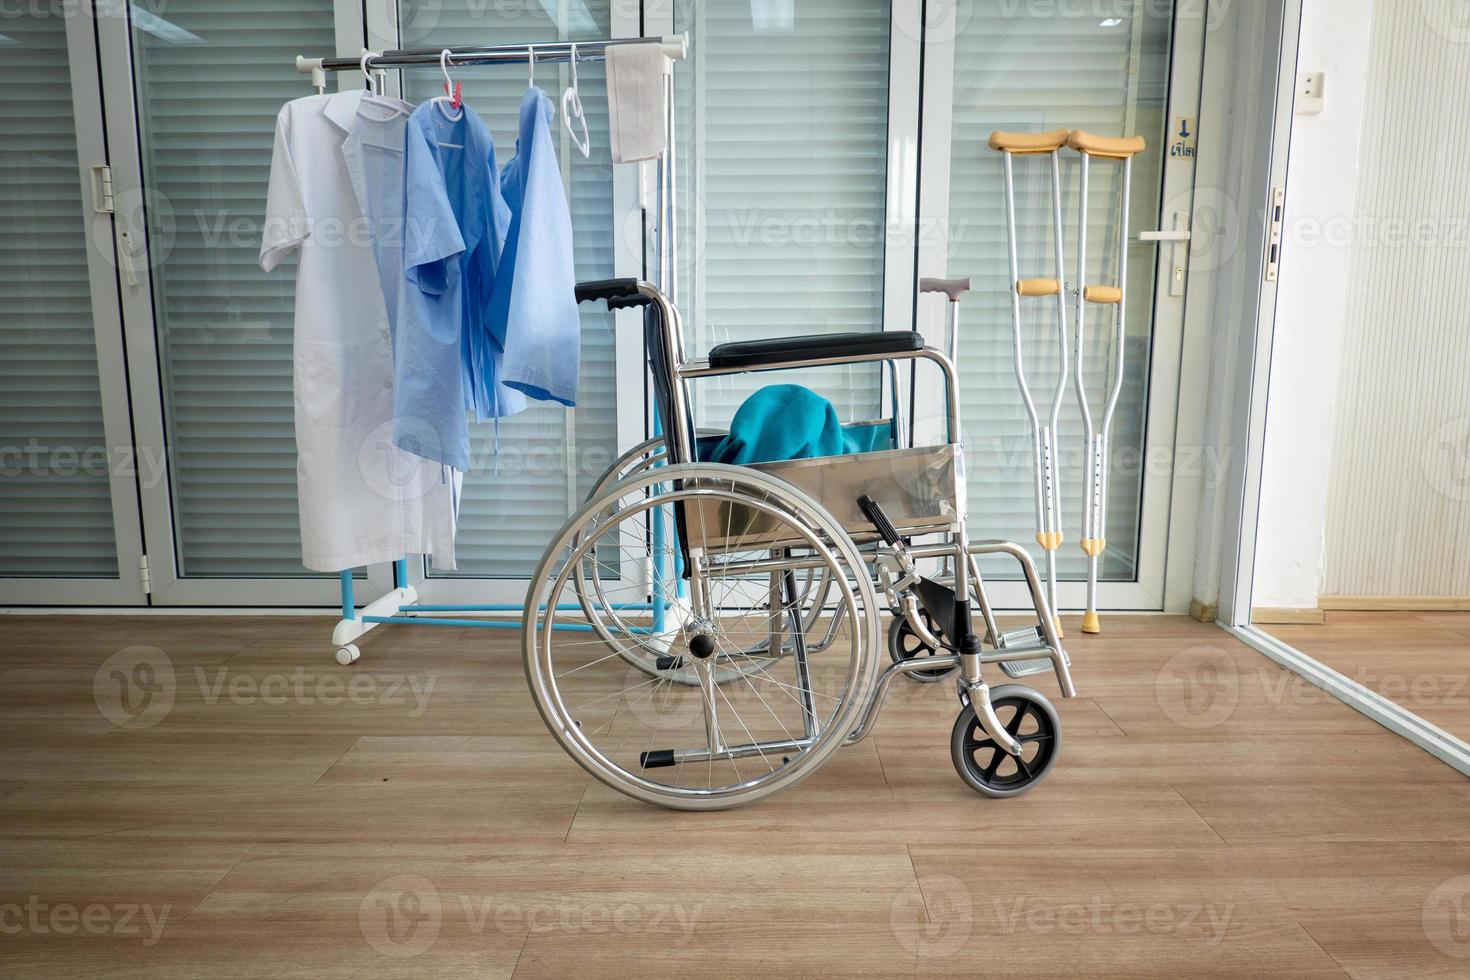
(1096, 438)
(1043, 432)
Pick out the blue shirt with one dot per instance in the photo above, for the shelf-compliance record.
(454, 226)
(533, 311)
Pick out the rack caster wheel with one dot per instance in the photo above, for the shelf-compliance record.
(987, 768)
(904, 644)
(348, 655)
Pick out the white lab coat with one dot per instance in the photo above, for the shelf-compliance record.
(362, 500)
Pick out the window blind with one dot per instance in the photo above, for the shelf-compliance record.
(549, 456)
(1016, 71)
(210, 80)
(782, 129)
(55, 503)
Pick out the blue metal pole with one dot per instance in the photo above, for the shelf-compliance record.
(491, 624)
(349, 607)
(512, 607)
(657, 514)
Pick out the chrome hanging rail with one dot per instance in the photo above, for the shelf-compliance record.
(675, 46)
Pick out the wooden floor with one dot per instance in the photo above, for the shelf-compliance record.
(1420, 660)
(203, 797)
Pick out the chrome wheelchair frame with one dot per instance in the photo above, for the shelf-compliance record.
(725, 545)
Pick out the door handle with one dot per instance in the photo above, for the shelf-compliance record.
(125, 258)
(1163, 236)
(1177, 236)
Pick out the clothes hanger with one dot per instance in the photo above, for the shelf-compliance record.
(374, 85)
(531, 69)
(453, 91)
(571, 109)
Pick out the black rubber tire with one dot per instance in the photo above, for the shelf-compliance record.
(904, 644)
(996, 773)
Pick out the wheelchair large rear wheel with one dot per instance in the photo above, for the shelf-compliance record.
(746, 694)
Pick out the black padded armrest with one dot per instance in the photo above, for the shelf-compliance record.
(818, 347)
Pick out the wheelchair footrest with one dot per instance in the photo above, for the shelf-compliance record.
(1026, 635)
(1027, 667)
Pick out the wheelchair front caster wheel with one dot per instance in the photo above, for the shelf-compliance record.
(348, 655)
(904, 644)
(989, 769)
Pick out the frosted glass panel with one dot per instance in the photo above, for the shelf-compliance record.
(211, 78)
(783, 143)
(55, 501)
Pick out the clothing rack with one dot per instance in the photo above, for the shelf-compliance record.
(400, 605)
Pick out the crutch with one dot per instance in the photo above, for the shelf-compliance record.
(1043, 431)
(1096, 437)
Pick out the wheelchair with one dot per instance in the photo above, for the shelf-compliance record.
(699, 636)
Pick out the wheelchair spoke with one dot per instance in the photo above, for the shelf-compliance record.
(645, 712)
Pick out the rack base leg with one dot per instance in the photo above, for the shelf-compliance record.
(351, 628)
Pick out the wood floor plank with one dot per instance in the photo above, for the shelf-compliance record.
(1420, 660)
(297, 827)
(120, 755)
(1109, 911)
(232, 812)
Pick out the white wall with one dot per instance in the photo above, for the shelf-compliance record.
(1398, 513)
(1311, 308)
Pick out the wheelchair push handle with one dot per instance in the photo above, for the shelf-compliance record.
(619, 293)
(953, 288)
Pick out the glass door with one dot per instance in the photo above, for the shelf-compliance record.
(1133, 69)
(69, 530)
(194, 87)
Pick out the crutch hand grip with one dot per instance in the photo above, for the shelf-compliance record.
(878, 519)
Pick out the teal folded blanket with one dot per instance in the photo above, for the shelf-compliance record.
(782, 422)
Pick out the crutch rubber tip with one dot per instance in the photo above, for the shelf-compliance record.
(1090, 623)
(1094, 546)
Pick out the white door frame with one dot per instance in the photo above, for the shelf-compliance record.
(114, 35)
(102, 263)
(1265, 169)
(1165, 372)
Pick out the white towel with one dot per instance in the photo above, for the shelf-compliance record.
(635, 101)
